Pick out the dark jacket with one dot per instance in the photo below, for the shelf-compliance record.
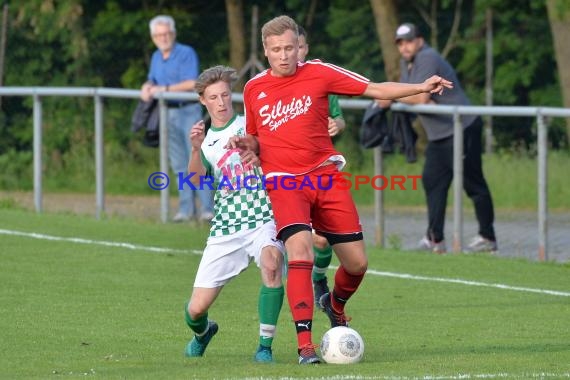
(376, 130)
(404, 135)
(146, 116)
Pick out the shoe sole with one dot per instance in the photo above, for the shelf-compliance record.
(310, 361)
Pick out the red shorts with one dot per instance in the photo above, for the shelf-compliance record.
(314, 199)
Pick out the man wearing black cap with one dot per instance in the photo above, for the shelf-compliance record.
(419, 61)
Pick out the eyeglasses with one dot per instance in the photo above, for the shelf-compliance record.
(162, 35)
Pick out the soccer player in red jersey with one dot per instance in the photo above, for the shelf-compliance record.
(286, 109)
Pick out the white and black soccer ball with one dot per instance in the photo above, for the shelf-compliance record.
(342, 345)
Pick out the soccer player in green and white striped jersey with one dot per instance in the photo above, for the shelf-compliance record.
(242, 228)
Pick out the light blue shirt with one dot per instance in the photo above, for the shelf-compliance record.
(182, 64)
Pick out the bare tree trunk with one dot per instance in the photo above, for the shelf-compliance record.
(430, 19)
(559, 17)
(434, 25)
(453, 34)
(386, 20)
(236, 30)
(310, 15)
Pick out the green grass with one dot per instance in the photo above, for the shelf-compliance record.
(72, 310)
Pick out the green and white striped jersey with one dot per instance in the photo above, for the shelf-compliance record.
(236, 206)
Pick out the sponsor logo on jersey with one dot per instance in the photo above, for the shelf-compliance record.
(278, 114)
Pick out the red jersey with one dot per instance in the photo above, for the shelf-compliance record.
(289, 115)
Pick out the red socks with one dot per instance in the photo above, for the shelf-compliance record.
(300, 297)
(345, 284)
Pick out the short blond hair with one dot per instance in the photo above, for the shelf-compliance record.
(213, 75)
(278, 26)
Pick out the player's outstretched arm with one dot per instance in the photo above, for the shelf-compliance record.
(394, 90)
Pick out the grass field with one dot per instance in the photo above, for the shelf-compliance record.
(80, 308)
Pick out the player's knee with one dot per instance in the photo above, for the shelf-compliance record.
(362, 266)
(271, 277)
(300, 249)
(196, 310)
(272, 266)
(356, 266)
(320, 242)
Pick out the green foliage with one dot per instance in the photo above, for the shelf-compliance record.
(524, 66)
(55, 31)
(111, 25)
(16, 170)
(351, 31)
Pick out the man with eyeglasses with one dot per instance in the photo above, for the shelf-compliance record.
(175, 67)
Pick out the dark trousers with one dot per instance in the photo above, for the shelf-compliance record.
(438, 174)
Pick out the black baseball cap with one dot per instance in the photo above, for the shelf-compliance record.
(407, 31)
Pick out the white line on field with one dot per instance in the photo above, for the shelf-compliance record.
(459, 376)
(467, 282)
(199, 252)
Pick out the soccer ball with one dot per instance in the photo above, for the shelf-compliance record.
(342, 345)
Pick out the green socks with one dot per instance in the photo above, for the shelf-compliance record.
(200, 325)
(269, 307)
(270, 302)
(322, 261)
